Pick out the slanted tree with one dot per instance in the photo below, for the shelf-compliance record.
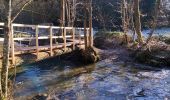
(155, 17)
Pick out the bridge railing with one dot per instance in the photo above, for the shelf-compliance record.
(29, 38)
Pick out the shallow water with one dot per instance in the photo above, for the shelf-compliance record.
(105, 80)
(159, 31)
(164, 31)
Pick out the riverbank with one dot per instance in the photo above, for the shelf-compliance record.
(155, 53)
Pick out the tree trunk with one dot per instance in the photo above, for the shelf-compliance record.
(62, 13)
(125, 20)
(90, 24)
(6, 49)
(155, 17)
(137, 21)
(73, 12)
(85, 25)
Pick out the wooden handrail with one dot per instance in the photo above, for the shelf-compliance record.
(41, 26)
(40, 38)
(69, 40)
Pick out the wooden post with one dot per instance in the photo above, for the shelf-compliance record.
(37, 43)
(73, 37)
(51, 41)
(79, 37)
(64, 38)
(12, 46)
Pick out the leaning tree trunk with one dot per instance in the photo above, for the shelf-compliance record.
(137, 21)
(155, 17)
(6, 49)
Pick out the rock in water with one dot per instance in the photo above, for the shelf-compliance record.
(90, 55)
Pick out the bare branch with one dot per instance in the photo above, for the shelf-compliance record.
(22, 8)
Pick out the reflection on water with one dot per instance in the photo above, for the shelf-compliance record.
(100, 81)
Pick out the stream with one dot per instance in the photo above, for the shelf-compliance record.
(105, 80)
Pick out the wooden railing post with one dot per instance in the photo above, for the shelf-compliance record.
(12, 46)
(64, 38)
(73, 37)
(37, 43)
(51, 41)
(80, 37)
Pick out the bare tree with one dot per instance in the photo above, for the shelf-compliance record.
(125, 20)
(6, 46)
(137, 22)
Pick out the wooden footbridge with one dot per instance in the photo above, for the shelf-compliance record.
(36, 38)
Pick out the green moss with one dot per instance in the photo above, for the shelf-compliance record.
(108, 34)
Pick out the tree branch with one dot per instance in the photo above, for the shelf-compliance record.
(22, 8)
